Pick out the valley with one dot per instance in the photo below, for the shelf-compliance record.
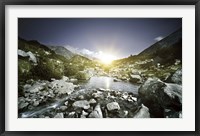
(54, 82)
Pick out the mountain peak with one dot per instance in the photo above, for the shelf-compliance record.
(170, 46)
(62, 51)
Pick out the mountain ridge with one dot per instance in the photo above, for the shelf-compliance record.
(62, 51)
(169, 40)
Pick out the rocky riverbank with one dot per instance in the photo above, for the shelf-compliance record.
(155, 99)
(80, 103)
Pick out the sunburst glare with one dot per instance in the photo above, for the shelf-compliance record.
(106, 58)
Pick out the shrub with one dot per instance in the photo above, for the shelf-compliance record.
(49, 68)
(82, 76)
(24, 69)
(70, 70)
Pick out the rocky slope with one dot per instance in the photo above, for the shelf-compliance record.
(62, 51)
(165, 50)
(37, 61)
(161, 60)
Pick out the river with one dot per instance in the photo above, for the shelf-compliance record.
(108, 83)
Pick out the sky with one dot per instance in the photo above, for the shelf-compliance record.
(120, 37)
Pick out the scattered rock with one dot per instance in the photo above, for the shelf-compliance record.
(135, 78)
(71, 114)
(98, 94)
(129, 100)
(125, 95)
(36, 103)
(30, 107)
(97, 113)
(73, 80)
(92, 101)
(101, 89)
(117, 93)
(52, 79)
(135, 72)
(62, 87)
(21, 99)
(35, 87)
(59, 115)
(116, 80)
(65, 78)
(63, 108)
(142, 113)
(84, 113)
(66, 103)
(107, 90)
(125, 113)
(177, 77)
(113, 106)
(133, 98)
(22, 105)
(124, 78)
(82, 116)
(81, 97)
(122, 113)
(81, 104)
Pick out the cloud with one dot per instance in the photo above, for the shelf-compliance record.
(158, 38)
(87, 52)
(90, 53)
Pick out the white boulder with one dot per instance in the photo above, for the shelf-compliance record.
(59, 115)
(97, 113)
(142, 113)
(62, 87)
(81, 104)
(113, 106)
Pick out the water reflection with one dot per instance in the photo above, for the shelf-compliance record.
(108, 83)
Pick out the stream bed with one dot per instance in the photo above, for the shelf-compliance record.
(103, 82)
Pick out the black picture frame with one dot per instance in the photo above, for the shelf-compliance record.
(98, 2)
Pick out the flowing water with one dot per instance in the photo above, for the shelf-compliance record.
(94, 82)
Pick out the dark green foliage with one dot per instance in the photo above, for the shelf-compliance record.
(24, 69)
(50, 65)
(49, 68)
(70, 70)
(81, 76)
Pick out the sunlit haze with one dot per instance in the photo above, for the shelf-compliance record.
(107, 58)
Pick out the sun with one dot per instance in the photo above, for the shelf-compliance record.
(107, 58)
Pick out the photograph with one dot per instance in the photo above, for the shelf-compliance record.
(99, 67)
